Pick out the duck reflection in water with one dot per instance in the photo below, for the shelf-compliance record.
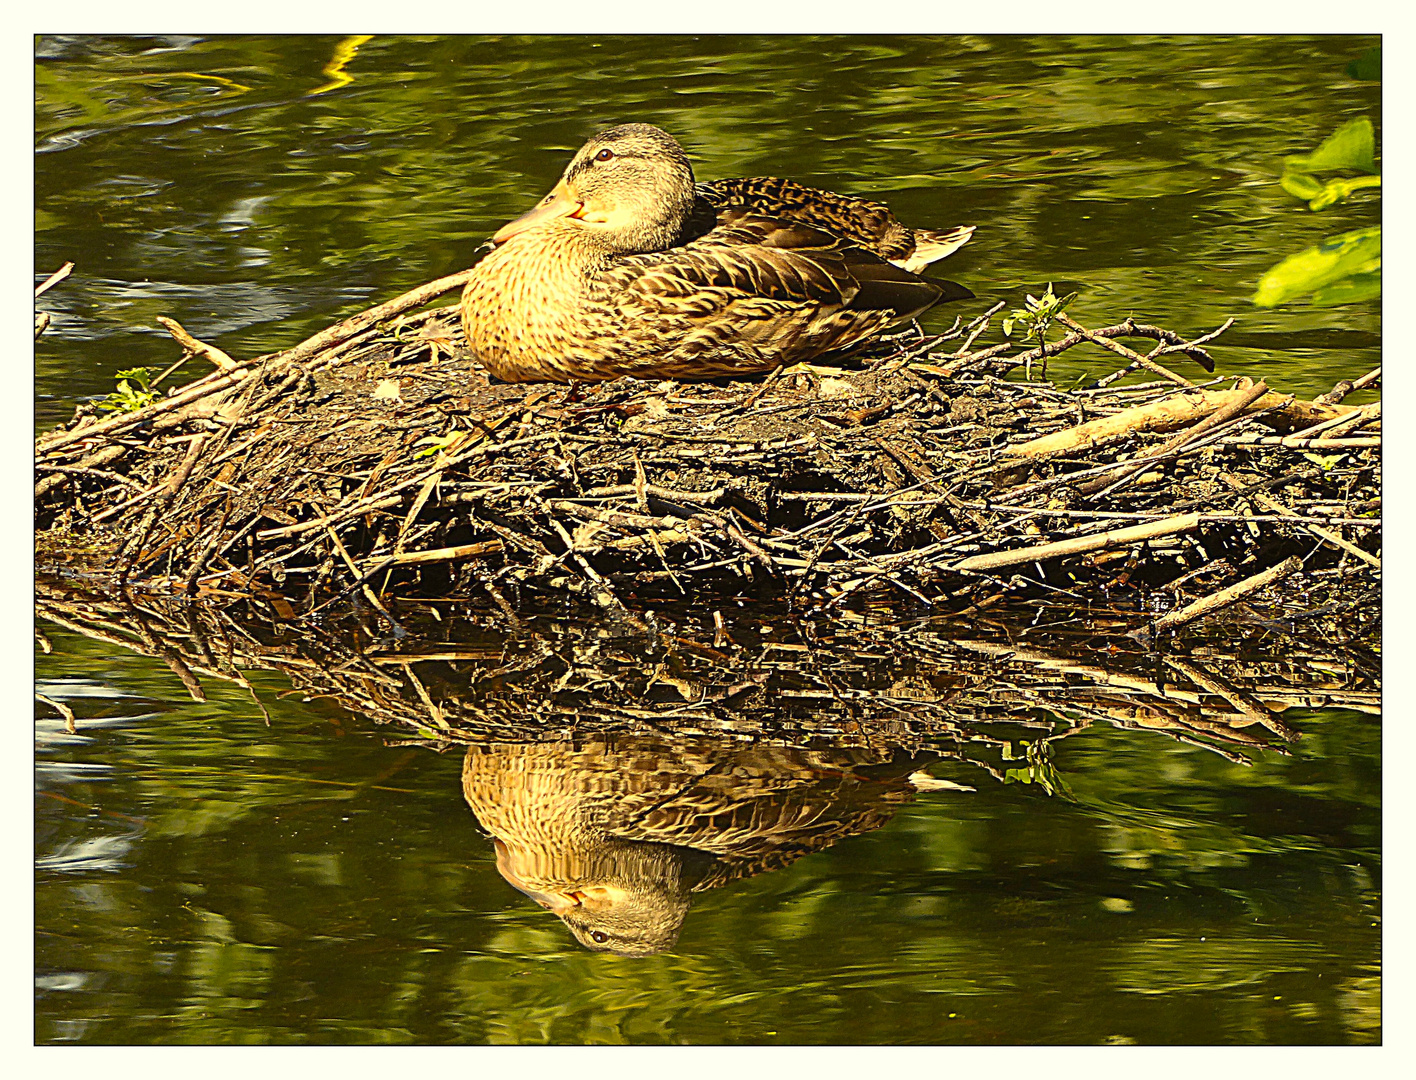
(614, 836)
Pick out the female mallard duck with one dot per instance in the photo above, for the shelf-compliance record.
(630, 268)
(615, 834)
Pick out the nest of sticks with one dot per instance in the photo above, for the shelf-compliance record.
(376, 462)
(972, 689)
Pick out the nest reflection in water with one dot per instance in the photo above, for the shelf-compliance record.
(621, 768)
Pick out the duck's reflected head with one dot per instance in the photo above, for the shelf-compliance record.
(631, 900)
(627, 190)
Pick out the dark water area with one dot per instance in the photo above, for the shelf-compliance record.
(287, 864)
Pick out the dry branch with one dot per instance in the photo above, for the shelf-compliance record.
(1100, 542)
(1177, 411)
(1130, 354)
(1208, 605)
(913, 471)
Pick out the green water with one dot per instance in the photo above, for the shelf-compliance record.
(204, 877)
(202, 179)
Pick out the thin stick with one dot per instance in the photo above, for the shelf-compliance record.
(1338, 425)
(1246, 705)
(53, 279)
(706, 498)
(437, 555)
(1208, 605)
(756, 395)
(1121, 350)
(1097, 542)
(193, 347)
(977, 327)
(1303, 444)
(197, 390)
(58, 706)
(340, 331)
(1346, 386)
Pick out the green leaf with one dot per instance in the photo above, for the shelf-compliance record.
(1336, 258)
(1325, 461)
(1352, 146)
(1368, 66)
(1300, 185)
(435, 443)
(1036, 317)
(1349, 290)
(140, 375)
(1334, 191)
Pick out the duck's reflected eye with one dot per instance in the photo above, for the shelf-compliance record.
(598, 937)
(605, 154)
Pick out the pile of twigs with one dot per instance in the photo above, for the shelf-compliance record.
(377, 459)
(846, 679)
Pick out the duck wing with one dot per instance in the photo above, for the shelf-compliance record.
(867, 224)
(752, 293)
(763, 807)
(753, 261)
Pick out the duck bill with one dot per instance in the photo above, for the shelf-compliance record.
(559, 204)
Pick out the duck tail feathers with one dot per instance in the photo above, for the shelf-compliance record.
(931, 246)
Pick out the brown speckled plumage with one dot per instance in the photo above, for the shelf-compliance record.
(629, 268)
(615, 836)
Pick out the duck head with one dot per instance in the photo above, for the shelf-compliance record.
(627, 190)
(624, 897)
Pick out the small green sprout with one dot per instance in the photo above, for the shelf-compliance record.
(129, 398)
(1036, 319)
(437, 444)
(1326, 462)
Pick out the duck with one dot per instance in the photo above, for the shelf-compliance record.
(630, 267)
(615, 835)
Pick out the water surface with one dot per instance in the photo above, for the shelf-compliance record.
(350, 873)
(205, 876)
(228, 183)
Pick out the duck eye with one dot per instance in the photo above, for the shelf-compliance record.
(596, 936)
(605, 154)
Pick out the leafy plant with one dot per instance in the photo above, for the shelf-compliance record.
(1036, 318)
(1350, 147)
(129, 398)
(1345, 268)
(1325, 462)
